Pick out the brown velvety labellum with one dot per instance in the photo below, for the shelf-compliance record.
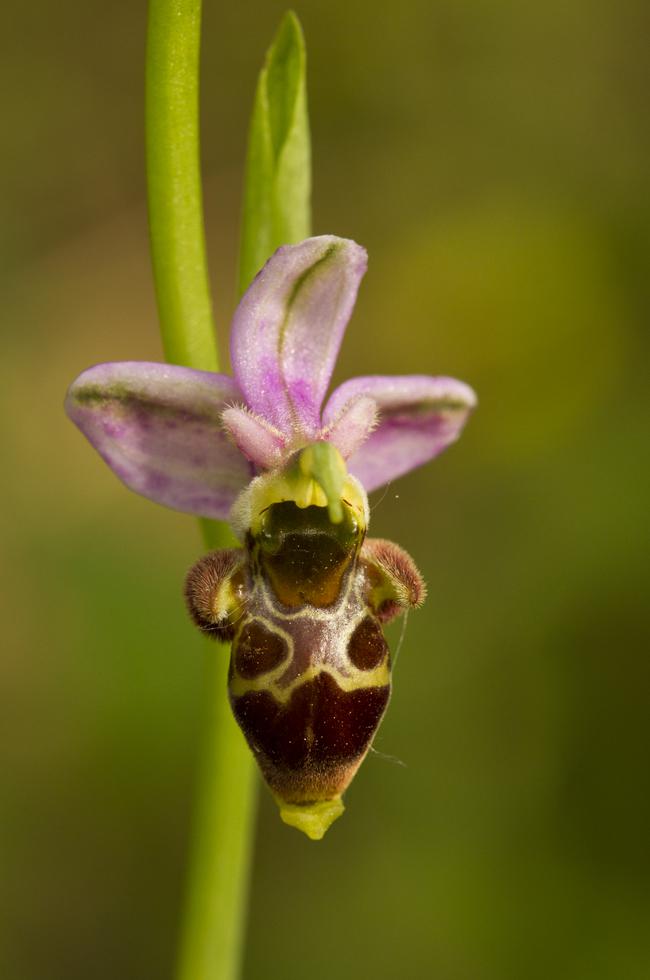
(310, 747)
(309, 676)
(257, 650)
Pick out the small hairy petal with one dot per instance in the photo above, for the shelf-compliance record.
(419, 416)
(352, 425)
(158, 426)
(256, 439)
(288, 328)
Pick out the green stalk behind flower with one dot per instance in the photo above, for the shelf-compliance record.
(276, 211)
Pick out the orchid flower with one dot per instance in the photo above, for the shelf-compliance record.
(305, 597)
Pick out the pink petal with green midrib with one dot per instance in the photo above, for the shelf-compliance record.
(288, 328)
(158, 426)
(419, 416)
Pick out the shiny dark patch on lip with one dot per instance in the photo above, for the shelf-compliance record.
(367, 646)
(320, 726)
(304, 555)
(257, 650)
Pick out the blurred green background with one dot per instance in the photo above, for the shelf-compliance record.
(493, 157)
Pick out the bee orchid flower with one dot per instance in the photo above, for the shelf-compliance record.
(304, 599)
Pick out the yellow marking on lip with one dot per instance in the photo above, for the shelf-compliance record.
(359, 680)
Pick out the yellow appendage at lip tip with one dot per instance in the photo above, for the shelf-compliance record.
(314, 819)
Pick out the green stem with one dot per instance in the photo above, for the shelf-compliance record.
(212, 932)
(215, 915)
(174, 183)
